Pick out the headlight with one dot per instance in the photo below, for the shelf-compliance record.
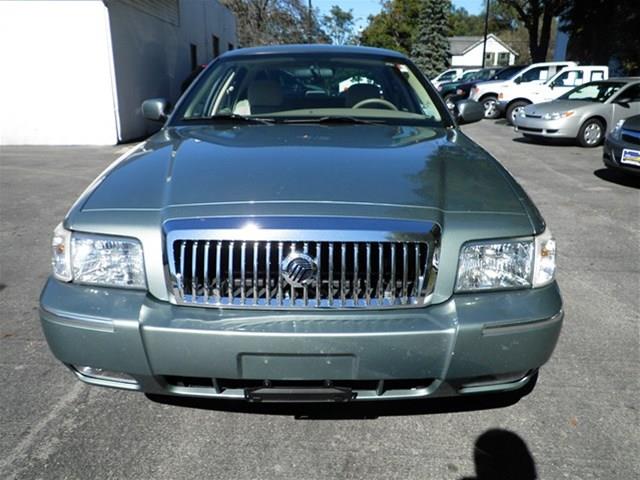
(498, 265)
(97, 259)
(617, 131)
(557, 115)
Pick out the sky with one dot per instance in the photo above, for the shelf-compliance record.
(363, 8)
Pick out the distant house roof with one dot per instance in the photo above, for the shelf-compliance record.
(461, 45)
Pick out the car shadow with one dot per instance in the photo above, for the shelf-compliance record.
(619, 178)
(550, 142)
(353, 410)
(500, 455)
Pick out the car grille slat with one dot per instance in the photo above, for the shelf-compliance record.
(389, 272)
(631, 137)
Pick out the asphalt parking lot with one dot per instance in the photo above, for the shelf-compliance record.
(580, 422)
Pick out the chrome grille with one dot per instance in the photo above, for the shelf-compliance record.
(231, 272)
(348, 273)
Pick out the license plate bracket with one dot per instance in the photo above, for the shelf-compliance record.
(299, 394)
(630, 157)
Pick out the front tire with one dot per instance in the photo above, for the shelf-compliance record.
(490, 105)
(514, 109)
(591, 133)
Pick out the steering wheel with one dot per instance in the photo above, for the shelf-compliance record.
(381, 101)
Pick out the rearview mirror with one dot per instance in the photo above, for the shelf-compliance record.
(469, 111)
(155, 109)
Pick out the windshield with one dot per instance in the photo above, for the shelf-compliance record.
(593, 92)
(282, 87)
(507, 73)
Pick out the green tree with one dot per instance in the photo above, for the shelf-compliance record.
(462, 23)
(394, 27)
(537, 16)
(339, 26)
(602, 30)
(265, 22)
(431, 48)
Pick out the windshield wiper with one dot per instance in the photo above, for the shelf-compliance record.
(233, 118)
(339, 119)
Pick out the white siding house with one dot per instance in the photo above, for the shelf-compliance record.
(76, 72)
(467, 52)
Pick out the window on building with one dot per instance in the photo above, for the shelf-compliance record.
(216, 46)
(230, 46)
(490, 58)
(194, 56)
(503, 59)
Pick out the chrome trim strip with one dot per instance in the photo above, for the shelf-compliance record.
(510, 328)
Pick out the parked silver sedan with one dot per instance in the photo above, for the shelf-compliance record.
(585, 113)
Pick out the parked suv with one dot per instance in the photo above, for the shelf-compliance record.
(487, 92)
(514, 97)
(274, 244)
(448, 90)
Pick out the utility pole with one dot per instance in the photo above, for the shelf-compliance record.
(310, 24)
(486, 31)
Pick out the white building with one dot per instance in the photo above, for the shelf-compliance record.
(76, 72)
(467, 52)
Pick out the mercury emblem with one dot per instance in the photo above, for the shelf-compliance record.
(299, 269)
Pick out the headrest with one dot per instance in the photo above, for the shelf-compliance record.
(361, 91)
(265, 93)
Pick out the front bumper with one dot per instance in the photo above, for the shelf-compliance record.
(473, 343)
(612, 153)
(562, 128)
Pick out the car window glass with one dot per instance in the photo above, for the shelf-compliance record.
(447, 76)
(469, 75)
(571, 78)
(631, 94)
(297, 86)
(593, 92)
(536, 73)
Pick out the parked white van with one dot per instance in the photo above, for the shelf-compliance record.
(537, 73)
(514, 97)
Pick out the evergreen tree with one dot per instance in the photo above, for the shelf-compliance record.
(430, 49)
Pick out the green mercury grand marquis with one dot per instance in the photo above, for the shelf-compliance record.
(309, 224)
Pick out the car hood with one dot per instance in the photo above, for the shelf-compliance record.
(559, 106)
(258, 169)
(632, 123)
(491, 84)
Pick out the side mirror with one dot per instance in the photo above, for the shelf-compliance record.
(624, 102)
(469, 111)
(155, 109)
(517, 80)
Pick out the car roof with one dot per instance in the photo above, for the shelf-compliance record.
(312, 49)
(622, 79)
